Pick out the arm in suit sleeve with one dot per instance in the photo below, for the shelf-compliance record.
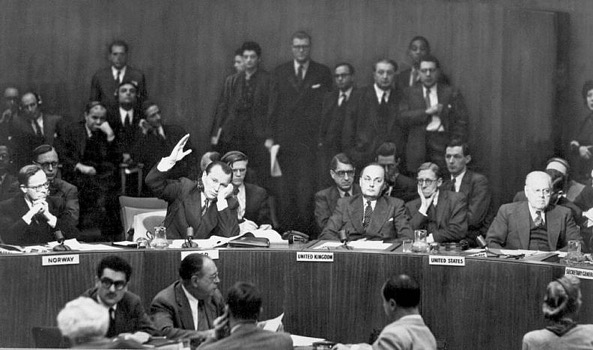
(412, 112)
(167, 190)
(228, 223)
(264, 216)
(144, 323)
(64, 222)
(479, 202)
(162, 312)
(322, 212)
(335, 222)
(13, 226)
(456, 228)
(417, 220)
(400, 222)
(72, 205)
(499, 230)
(572, 232)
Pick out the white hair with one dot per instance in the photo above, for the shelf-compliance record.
(83, 318)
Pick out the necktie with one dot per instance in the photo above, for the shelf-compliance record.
(539, 221)
(384, 98)
(202, 317)
(341, 99)
(413, 77)
(368, 211)
(37, 128)
(347, 194)
(300, 72)
(205, 207)
(453, 185)
(128, 120)
(111, 330)
(427, 98)
(117, 76)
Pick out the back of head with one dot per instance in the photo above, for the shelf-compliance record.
(83, 319)
(340, 157)
(244, 301)
(208, 158)
(403, 290)
(562, 299)
(191, 265)
(116, 264)
(233, 156)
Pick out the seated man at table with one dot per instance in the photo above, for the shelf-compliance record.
(126, 313)
(369, 215)
(188, 307)
(401, 296)
(200, 205)
(442, 213)
(342, 172)
(33, 217)
(534, 224)
(243, 308)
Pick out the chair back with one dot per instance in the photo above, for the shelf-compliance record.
(131, 206)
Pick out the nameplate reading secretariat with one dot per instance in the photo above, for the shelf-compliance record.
(446, 260)
(580, 273)
(317, 257)
(71, 259)
(211, 253)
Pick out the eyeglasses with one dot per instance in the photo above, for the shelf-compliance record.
(108, 282)
(239, 171)
(543, 191)
(48, 165)
(43, 186)
(426, 70)
(343, 173)
(427, 182)
(212, 277)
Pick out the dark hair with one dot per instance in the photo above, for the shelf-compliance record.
(420, 38)
(430, 166)
(458, 143)
(239, 52)
(350, 67)
(118, 43)
(224, 166)
(43, 149)
(116, 264)
(301, 34)
(387, 149)
(385, 60)
(430, 58)
(562, 298)
(127, 82)
(403, 290)
(26, 172)
(340, 157)
(234, 156)
(146, 105)
(191, 265)
(251, 46)
(587, 86)
(92, 104)
(244, 301)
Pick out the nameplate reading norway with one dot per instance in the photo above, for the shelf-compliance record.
(317, 257)
(211, 253)
(70, 259)
(446, 260)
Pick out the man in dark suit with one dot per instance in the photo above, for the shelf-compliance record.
(533, 224)
(242, 120)
(244, 304)
(8, 182)
(106, 80)
(372, 117)
(398, 185)
(254, 207)
(33, 217)
(342, 172)
(331, 139)
(432, 114)
(125, 308)
(369, 215)
(202, 206)
(125, 119)
(302, 83)
(32, 128)
(189, 307)
(442, 213)
(473, 185)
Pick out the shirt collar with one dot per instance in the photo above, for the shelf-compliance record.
(305, 65)
(433, 89)
(114, 307)
(115, 70)
(347, 93)
(533, 211)
(379, 92)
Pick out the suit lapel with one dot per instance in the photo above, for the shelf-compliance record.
(553, 222)
(333, 195)
(380, 216)
(524, 224)
(442, 208)
(187, 320)
(466, 183)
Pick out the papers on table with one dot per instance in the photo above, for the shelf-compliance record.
(76, 245)
(299, 340)
(273, 324)
(360, 244)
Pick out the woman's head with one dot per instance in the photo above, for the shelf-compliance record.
(563, 298)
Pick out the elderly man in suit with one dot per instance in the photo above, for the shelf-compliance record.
(189, 307)
(342, 172)
(369, 215)
(302, 84)
(441, 212)
(534, 224)
(203, 206)
(106, 80)
(432, 114)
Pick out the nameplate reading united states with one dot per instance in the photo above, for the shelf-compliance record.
(580, 273)
(317, 257)
(446, 260)
(70, 259)
(211, 253)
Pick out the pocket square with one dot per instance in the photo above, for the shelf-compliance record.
(390, 219)
(316, 86)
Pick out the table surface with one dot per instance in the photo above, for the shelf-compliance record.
(486, 304)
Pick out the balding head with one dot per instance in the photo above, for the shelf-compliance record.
(538, 187)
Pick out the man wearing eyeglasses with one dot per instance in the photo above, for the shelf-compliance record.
(534, 224)
(369, 214)
(47, 158)
(342, 172)
(33, 217)
(126, 313)
(441, 212)
(189, 307)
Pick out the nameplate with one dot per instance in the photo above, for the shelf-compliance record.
(71, 259)
(446, 260)
(317, 257)
(211, 253)
(580, 273)
(479, 255)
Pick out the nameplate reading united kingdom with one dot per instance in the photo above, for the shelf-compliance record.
(446, 260)
(211, 253)
(317, 257)
(580, 273)
(70, 259)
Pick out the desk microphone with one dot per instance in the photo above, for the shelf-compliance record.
(343, 235)
(482, 242)
(61, 247)
(189, 236)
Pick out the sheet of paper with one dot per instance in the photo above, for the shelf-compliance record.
(369, 245)
(299, 340)
(328, 245)
(76, 245)
(274, 323)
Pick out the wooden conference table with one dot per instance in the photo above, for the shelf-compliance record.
(487, 304)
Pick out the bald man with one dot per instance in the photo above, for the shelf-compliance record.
(534, 224)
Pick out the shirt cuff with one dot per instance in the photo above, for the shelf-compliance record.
(165, 164)
(27, 219)
(222, 204)
(53, 221)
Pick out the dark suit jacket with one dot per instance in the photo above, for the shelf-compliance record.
(454, 119)
(9, 187)
(479, 209)
(184, 208)
(404, 188)
(257, 206)
(450, 217)
(333, 117)
(172, 314)
(296, 118)
(67, 193)
(25, 140)
(388, 221)
(16, 231)
(511, 227)
(364, 130)
(125, 136)
(103, 86)
(130, 316)
(229, 104)
(326, 201)
(150, 148)
(250, 336)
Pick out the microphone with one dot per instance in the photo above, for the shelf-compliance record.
(61, 247)
(484, 245)
(189, 233)
(343, 235)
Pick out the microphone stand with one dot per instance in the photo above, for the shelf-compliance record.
(189, 236)
(484, 245)
(61, 247)
(344, 239)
